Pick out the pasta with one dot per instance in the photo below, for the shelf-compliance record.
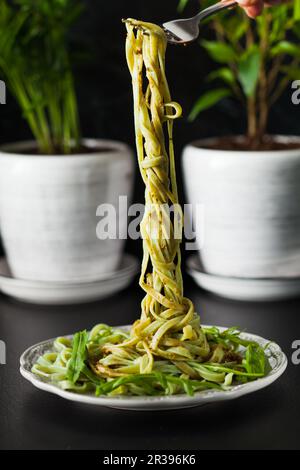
(166, 350)
(168, 327)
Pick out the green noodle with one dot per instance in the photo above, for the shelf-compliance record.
(166, 351)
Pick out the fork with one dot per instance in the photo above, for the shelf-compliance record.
(184, 31)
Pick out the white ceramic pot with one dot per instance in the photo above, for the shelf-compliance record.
(48, 209)
(251, 209)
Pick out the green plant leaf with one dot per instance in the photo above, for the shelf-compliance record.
(277, 32)
(297, 10)
(285, 47)
(292, 72)
(224, 74)
(248, 71)
(296, 29)
(219, 51)
(207, 100)
(234, 27)
(181, 5)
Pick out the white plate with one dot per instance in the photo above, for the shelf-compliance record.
(243, 288)
(278, 362)
(58, 293)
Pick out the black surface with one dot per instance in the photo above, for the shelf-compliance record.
(32, 419)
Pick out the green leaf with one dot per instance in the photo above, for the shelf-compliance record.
(281, 22)
(248, 71)
(224, 74)
(208, 100)
(219, 51)
(235, 28)
(240, 30)
(181, 5)
(286, 47)
(296, 29)
(292, 72)
(297, 10)
(255, 361)
(79, 356)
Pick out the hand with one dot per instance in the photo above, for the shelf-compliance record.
(253, 8)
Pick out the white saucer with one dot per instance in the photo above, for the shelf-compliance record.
(243, 288)
(277, 359)
(58, 293)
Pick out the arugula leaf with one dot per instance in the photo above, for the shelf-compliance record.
(255, 360)
(149, 383)
(79, 356)
(92, 377)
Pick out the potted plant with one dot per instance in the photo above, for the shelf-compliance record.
(50, 188)
(249, 185)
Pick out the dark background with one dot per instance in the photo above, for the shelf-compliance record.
(32, 419)
(104, 88)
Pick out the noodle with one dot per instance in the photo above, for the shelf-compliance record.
(168, 327)
(166, 350)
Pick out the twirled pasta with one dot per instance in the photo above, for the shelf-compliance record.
(166, 351)
(168, 328)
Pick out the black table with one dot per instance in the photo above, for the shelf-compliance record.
(32, 419)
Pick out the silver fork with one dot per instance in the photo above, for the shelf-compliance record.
(187, 30)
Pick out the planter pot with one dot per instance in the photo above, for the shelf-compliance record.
(48, 209)
(251, 209)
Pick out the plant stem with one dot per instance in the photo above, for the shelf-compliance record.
(251, 100)
(252, 119)
(281, 86)
(263, 105)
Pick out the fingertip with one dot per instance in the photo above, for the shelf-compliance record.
(254, 11)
